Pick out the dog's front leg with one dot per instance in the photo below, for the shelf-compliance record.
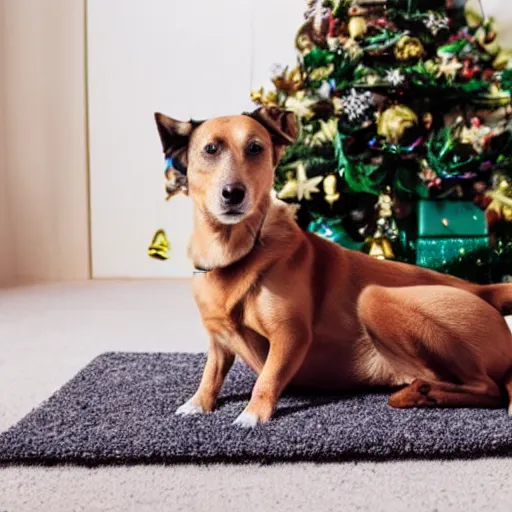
(218, 363)
(288, 348)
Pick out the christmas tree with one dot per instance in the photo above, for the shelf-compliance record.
(405, 149)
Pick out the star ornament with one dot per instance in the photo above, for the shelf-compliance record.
(305, 186)
(449, 68)
(300, 105)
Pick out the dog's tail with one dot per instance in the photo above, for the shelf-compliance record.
(497, 295)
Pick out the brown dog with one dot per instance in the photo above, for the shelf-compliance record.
(301, 310)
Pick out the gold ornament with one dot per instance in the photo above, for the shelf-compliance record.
(159, 248)
(501, 202)
(385, 205)
(303, 41)
(380, 242)
(327, 132)
(503, 60)
(321, 73)
(393, 122)
(408, 48)
(357, 27)
(329, 185)
(305, 186)
(495, 98)
(299, 186)
(288, 81)
(290, 188)
(257, 95)
(380, 248)
(270, 99)
(300, 105)
(337, 103)
(449, 68)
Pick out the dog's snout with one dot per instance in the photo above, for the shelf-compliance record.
(234, 194)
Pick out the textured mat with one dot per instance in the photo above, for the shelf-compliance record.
(120, 409)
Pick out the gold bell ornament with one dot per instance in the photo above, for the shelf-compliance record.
(329, 185)
(380, 247)
(159, 248)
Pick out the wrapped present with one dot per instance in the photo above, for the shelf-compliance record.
(448, 229)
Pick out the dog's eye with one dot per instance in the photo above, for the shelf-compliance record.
(211, 149)
(254, 148)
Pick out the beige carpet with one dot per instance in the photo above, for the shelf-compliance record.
(49, 332)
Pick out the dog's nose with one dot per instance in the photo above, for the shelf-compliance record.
(233, 194)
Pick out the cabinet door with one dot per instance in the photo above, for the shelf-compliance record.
(186, 59)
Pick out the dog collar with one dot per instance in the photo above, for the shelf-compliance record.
(201, 270)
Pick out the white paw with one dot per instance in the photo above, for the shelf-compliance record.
(189, 408)
(246, 420)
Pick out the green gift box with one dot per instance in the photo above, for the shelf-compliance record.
(448, 229)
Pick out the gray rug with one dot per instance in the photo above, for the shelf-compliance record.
(120, 409)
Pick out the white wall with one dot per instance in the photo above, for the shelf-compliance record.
(7, 271)
(45, 171)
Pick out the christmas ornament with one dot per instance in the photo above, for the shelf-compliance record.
(435, 23)
(324, 91)
(358, 106)
(495, 98)
(270, 99)
(305, 186)
(409, 48)
(501, 199)
(394, 77)
(303, 41)
(380, 247)
(357, 27)
(321, 73)
(300, 186)
(503, 60)
(288, 81)
(159, 248)
(300, 105)
(290, 188)
(448, 68)
(453, 49)
(329, 185)
(477, 135)
(393, 122)
(387, 232)
(326, 133)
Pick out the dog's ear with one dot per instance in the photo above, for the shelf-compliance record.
(283, 127)
(175, 136)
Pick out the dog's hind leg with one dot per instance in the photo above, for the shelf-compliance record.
(442, 394)
(454, 348)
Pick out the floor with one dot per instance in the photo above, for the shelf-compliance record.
(49, 332)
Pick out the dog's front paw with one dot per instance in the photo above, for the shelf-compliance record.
(246, 420)
(189, 408)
